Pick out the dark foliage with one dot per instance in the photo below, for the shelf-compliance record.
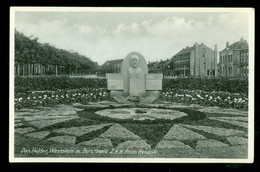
(28, 84)
(230, 85)
(29, 51)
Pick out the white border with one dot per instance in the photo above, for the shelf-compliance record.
(251, 42)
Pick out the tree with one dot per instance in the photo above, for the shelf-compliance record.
(28, 52)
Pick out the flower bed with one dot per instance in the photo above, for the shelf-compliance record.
(213, 98)
(222, 92)
(47, 98)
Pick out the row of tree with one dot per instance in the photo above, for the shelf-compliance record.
(35, 58)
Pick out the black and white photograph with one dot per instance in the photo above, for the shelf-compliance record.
(117, 84)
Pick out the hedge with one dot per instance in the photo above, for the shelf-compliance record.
(207, 84)
(27, 84)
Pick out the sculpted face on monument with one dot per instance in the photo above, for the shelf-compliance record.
(134, 61)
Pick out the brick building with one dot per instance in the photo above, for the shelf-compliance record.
(163, 66)
(198, 60)
(233, 60)
(111, 66)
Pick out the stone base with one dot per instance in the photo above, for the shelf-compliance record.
(147, 97)
(152, 93)
(116, 93)
(147, 93)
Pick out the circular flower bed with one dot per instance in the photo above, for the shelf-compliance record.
(141, 114)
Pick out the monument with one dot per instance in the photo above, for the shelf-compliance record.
(134, 79)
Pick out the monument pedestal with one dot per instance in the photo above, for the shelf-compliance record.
(116, 93)
(152, 93)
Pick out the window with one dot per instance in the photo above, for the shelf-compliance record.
(231, 59)
(203, 50)
(203, 55)
(210, 72)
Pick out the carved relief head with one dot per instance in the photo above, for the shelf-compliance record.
(134, 61)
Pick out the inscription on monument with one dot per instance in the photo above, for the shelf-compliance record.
(114, 81)
(154, 82)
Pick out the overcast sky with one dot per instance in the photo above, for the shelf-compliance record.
(105, 36)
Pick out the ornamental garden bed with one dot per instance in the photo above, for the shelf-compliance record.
(48, 91)
(190, 133)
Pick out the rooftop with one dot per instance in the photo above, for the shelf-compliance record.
(185, 50)
(242, 44)
(110, 62)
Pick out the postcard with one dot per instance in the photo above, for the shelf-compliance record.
(156, 85)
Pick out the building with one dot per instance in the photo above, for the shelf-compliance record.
(163, 66)
(198, 60)
(111, 66)
(233, 60)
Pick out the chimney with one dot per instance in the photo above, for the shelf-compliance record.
(187, 46)
(241, 39)
(215, 60)
(196, 60)
(227, 44)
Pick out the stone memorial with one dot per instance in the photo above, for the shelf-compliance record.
(134, 79)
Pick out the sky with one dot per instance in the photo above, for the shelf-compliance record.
(103, 36)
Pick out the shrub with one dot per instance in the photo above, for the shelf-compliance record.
(52, 83)
(207, 84)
